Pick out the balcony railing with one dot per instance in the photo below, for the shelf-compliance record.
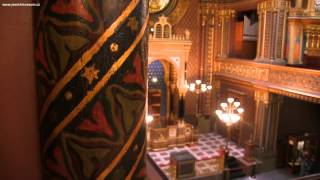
(294, 82)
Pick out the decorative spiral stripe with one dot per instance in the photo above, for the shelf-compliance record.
(96, 89)
(134, 167)
(123, 151)
(86, 57)
(90, 61)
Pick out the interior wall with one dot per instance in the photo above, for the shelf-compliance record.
(19, 152)
(298, 116)
(191, 21)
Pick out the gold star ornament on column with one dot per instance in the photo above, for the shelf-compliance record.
(90, 73)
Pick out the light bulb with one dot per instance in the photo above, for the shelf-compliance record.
(230, 100)
(203, 85)
(224, 105)
(192, 85)
(218, 112)
(149, 119)
(209, 87)
(198, 81)
(154, 79)
(234, 118)
(225, 118)
(240, 110)
(192, 88)
(203, 89)
(236, 104)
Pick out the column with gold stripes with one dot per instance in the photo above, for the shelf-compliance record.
(91, 66)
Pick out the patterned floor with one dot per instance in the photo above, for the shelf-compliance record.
(204, 151)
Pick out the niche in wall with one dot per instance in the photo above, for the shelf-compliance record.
(296, 119)
(244, 35)
(298, 116)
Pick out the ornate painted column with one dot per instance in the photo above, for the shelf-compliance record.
(273, 16)
(91, 70)
(262, 102)
(295, 42)
(207, 53)
(311, 8)
(266, 126)
(226, 17)
(216, 88)
(275, 104)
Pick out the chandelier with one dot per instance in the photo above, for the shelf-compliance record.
(199, 87)
(230, 112)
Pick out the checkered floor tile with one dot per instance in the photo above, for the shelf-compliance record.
(205, 151)
(206, 148)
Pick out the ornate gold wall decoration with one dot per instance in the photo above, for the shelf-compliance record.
(295, 82)
(172, 48)
(207, 41)
(272, 31)
(179, 11)
(225, 18)
(304, 80)
(242, 70)
(312, 46)
(261, 95)
(156, 6)
(173, 9)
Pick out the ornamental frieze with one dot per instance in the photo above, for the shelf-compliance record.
(301, 80)
(297, 82)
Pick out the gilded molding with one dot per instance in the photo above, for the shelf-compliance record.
(272, 31)
(293, 82)
(312, 44)
(261, 95)
(241, 70)
(273, 5)
(299, 80)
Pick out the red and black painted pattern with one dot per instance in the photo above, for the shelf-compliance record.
(91, 69)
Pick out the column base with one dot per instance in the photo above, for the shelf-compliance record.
(271, 61)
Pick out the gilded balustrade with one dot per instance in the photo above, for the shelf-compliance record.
(293, 82)
(312, 40)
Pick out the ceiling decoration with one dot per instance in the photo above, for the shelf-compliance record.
(156, 6)
(173, 9)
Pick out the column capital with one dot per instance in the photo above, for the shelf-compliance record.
(273, 5)
(226, 13)
(262, 95)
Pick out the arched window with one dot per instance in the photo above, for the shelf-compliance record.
(166, 33)
(158, 31)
